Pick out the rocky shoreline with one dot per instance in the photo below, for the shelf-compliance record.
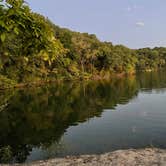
(132, 157)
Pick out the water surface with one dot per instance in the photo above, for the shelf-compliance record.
(83, 118)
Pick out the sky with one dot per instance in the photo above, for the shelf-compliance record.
(133, 23)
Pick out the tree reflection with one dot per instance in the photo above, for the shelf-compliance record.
(39, 117)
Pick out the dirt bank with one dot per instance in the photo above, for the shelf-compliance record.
(143, 157)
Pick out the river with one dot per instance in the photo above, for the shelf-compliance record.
(75, 118)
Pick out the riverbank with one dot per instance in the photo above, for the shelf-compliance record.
(132, 157)
(6, 83)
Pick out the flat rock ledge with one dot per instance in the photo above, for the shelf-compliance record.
(132, 157)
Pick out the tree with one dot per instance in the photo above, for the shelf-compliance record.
(26, 38)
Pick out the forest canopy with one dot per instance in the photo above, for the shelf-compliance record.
(33, 49)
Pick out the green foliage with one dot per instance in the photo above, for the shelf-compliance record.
(151, 59)
(6, 154)
(28, 45)
(6, 83)
(32, 48)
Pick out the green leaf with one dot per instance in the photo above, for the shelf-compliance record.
(10, 12)
(3, 37)
(16, 31)
(2, 24)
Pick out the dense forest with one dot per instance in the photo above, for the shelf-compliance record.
(33, 49)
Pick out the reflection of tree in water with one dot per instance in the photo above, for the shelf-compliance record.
(38, 117)
(152, 80)
(5, 98)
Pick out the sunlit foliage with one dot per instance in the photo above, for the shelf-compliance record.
(33, 49)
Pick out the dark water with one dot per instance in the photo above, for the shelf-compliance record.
(83, 118)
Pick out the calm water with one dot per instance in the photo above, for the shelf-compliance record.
(83, 118)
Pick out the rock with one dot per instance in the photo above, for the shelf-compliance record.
(132, 157)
